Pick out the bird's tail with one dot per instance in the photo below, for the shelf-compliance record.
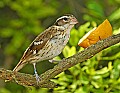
(19, 66)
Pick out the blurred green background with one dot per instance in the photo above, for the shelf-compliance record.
(22, 20)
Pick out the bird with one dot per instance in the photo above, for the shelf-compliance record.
(48, 44)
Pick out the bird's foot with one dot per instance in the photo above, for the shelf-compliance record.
(54, 61)
(38, 79)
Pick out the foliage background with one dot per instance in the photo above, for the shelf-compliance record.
(22, 20)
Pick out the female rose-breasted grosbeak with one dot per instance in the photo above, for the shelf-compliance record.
(49, 43)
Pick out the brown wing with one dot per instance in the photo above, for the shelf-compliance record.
(39, 42)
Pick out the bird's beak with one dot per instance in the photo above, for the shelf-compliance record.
(74, 21)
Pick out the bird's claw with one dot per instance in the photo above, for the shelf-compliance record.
(38, 79)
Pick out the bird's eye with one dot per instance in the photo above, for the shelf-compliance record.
(65, 19)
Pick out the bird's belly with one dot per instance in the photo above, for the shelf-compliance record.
(53, 48)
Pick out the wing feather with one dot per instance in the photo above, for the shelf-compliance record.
(35, 46)
(44, 38)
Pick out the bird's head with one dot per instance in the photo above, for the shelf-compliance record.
(66, 20)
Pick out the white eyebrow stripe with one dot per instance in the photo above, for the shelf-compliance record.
(62, 18)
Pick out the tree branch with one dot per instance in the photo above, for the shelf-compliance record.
(29, 80)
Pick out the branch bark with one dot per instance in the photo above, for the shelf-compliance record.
(29, 80)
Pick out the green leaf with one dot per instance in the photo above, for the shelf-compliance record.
(67, 52)
(115, 15)
(74, 37)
